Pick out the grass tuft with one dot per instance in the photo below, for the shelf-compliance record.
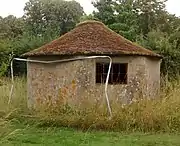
(160, 115)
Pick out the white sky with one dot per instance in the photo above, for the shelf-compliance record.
(15, 7)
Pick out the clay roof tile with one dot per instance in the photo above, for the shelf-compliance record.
(91, 37)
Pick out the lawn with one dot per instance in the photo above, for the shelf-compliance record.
(24, 135)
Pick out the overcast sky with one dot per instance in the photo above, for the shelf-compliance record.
(15, 7)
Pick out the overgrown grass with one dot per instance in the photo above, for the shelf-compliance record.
(160, 115)
(19, 101)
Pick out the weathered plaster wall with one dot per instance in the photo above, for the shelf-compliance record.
(59, 81)
(75, 81)
(153, 77)
(136, 79)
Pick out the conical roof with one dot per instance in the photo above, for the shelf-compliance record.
(91, 38)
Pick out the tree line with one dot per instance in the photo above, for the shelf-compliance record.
(146, 22)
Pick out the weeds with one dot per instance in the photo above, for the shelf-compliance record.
(160, 115)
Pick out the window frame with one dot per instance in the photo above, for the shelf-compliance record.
(103, 70)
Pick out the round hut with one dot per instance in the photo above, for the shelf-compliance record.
(135, 71)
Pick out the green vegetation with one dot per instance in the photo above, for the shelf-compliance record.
(158, 115)
(143, 21)
(42, 22)
(28, 135)
(143, 123)
(147, 23)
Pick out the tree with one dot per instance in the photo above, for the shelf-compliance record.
(119, 15)
(42, 22)
(105, 11)
(126, 19)
(88, 17)
(11, 27)
(52, 17)
(173, 29)
(152, 14)
(132, 17)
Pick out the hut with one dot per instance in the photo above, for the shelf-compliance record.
(135, 70)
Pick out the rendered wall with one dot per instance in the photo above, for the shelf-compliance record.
(153, 77)
(74, 82)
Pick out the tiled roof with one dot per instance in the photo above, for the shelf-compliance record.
(91, 38)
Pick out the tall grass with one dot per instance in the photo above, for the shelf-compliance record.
(19, 94)
(160, 115)
(11, 112)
